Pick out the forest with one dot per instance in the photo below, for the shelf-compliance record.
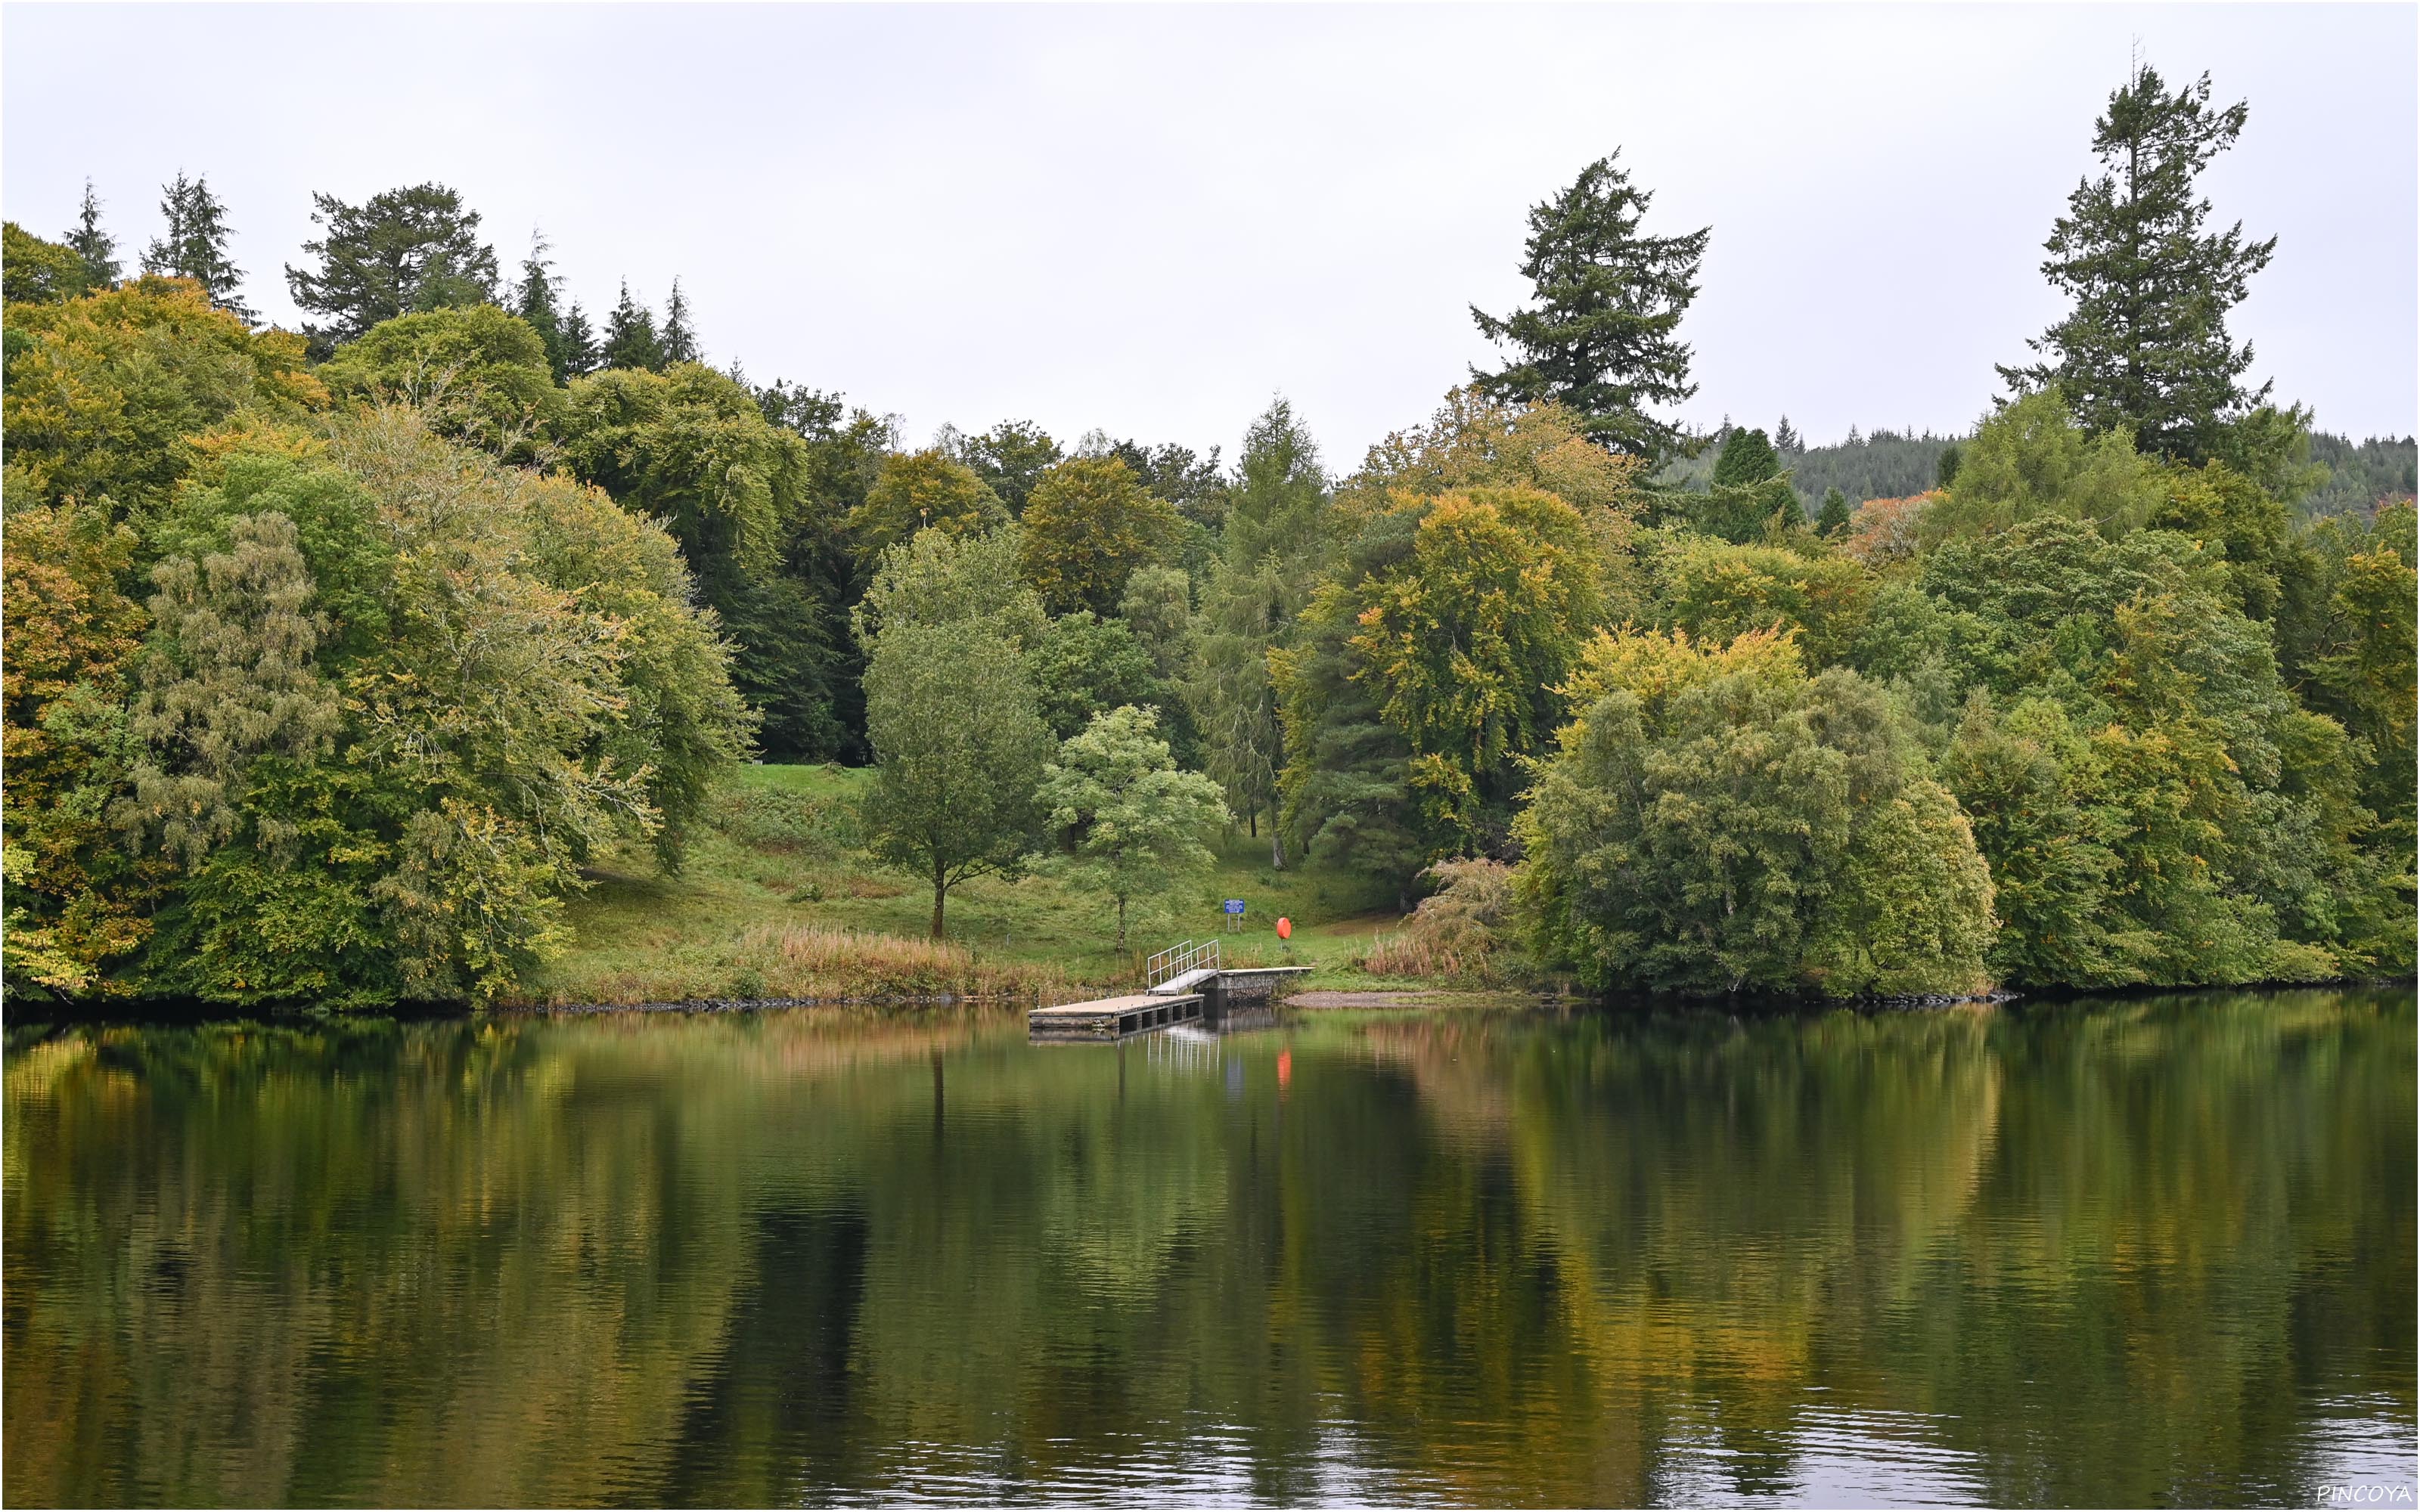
(337, 661)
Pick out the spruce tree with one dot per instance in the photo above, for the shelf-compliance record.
(630, 339)
(2145, 345)
(1786, 438)
(1747, 457)
(194, 243)
(681, 336)
(538, 304)
(1834, 515)
(97, 247)
(579, 354)
(1601, 336)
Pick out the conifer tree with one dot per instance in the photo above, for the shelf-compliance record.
(395, 252)
(1786, 438)
(1747, 457)
(538, 304)
(2145, 346)
(1834, 515)
(194, 243)
(630, 339)
(680, 336)
(1601, 336)
(579, 338)
(97, 247)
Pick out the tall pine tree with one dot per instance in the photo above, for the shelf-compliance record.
(2145, 346)
(630, 339)
(680, 336)
(1601, 336)
(97, 247)
(194, 244)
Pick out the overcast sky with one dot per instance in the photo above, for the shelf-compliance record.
(1149, 219)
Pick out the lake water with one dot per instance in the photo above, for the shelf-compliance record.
(2155, 1251)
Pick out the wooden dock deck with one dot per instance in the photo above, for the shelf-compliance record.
(1113, 1018)
(1223, 992)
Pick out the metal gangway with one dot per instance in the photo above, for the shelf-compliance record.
(1179, 968)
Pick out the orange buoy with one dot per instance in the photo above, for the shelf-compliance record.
(1285, 929)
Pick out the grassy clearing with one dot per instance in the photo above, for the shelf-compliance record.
(779, 899)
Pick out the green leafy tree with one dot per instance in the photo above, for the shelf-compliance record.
(2236, 827)
(78, 903)
(1010, 458)
(1601, 336)
(680, 332)
(2348, 642)
(1085, 666)
(919, 490)
(97, 247)
(1193, 482)
(34, 271)
(1087, 528)
(397, 252)
(394, 696)
(1465, 641)
(481, 374)
(1158, 610)
(2146, 347)
(1717, 821)
(107, 396)
(1833, 519)
(2033, 459)
(692, 448)
(935, 578)
(1716, 592)
(194, 244)
(631, 341)
(958, 750)
(1129, 818)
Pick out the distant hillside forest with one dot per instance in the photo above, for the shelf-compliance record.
(338, 660)
(1887, 464)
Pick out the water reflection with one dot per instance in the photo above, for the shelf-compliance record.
(2127, 1252)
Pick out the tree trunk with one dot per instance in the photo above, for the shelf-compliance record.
(1121, 923)
(940, 891)
(1277, 845)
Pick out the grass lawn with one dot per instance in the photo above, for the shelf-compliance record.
(779, 899)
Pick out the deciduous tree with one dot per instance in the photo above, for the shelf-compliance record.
(958, 752)
(1129, 818)
(1088, 526)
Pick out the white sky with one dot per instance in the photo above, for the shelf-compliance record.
(1149, 219)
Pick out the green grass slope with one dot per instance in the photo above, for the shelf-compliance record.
(780, 899)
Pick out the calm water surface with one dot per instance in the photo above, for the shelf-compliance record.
(2147, 1251)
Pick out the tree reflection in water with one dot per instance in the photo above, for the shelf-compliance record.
(2119, 1253)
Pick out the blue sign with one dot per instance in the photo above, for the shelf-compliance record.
(1234, 906)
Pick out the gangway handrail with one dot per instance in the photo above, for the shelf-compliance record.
(1178, 959)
